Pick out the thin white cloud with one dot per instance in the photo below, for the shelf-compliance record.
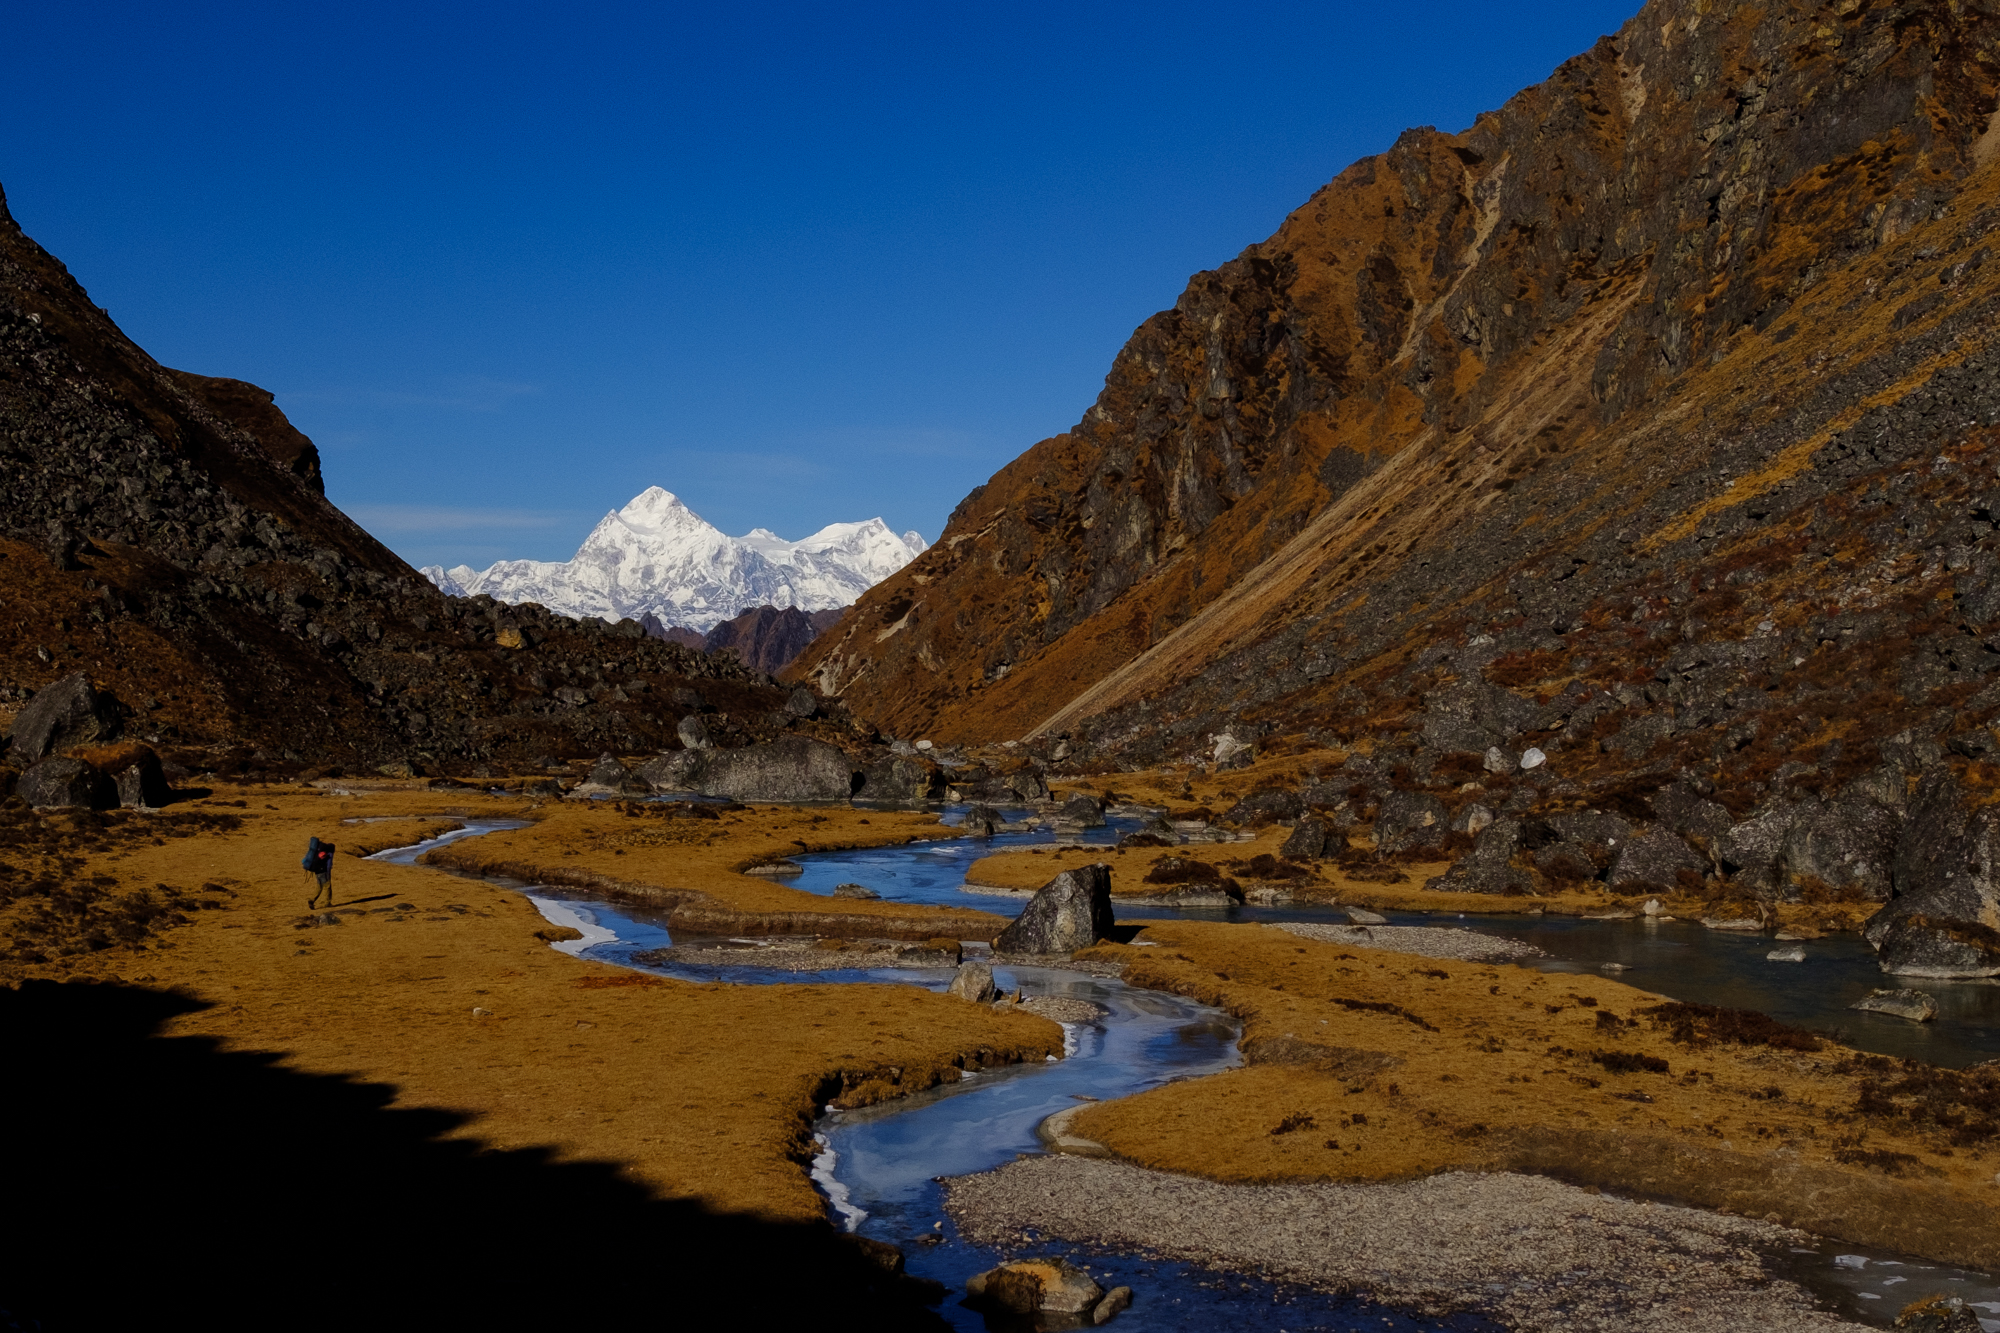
(402, 519)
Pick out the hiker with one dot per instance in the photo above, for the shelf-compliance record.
(319, 864)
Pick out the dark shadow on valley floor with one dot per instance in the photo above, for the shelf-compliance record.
(155, 1182)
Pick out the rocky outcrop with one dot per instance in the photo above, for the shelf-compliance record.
(1944, 916)
(1070, 912)
(900, 779)
(793, 768)
(63, 716)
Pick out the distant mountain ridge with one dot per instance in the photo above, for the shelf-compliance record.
(658, 557)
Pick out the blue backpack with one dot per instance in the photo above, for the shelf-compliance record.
(316, 851)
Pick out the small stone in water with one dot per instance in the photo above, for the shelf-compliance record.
(1791, 953)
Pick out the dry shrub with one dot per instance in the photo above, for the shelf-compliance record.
(1964, 1103)
(1294, 1122)
(1514, 670)
(1182, 870)
(1266, 866)
(1629, 1062)
(1700, 1025)
(1818, 892)
(1881, 1159)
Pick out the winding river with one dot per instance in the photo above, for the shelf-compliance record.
(880, 1167)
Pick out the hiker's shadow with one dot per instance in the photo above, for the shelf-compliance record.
(158, 1182)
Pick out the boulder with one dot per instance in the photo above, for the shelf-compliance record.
(1115, 1301)
(1911, 1004)
(608, 777)
(792, 768)
(1917, 946)
(802, 703)
(861, 891)
(1265, 807)
(981, 821)
(62, 781)
(135, 773)
(1473, 819)
(1082, 810)
(1655, 858)
(693, 732)
(1847, 844)
(679, 771)
(1490, 868)
(1685, 811)
(1947, 863)
(1072, 911)
(1199, 895)
(63, 715)
(1310, 840)
(1754, 850)
(973, 981)
(1361, 916)
(1054, 1289)
(1407, 820)
(899, 778)
(1786, 953)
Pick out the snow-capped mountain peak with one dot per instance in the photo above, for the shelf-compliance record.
(658, 555)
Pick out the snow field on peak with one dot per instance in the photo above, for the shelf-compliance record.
(657, 555)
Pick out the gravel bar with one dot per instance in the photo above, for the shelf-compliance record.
(1431, 941)
(1531, 1253)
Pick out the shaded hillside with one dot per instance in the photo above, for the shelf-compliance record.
(166, 534)
(1676, 363)
(768, 638)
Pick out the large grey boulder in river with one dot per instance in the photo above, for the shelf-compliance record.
(790, 769)
(1070, 912)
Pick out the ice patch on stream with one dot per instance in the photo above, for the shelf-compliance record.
(562, 914)
(823, 1164)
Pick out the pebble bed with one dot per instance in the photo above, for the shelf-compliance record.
(1531, 1253)
(1429, 941)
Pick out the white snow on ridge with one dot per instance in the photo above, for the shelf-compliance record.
(658, 555)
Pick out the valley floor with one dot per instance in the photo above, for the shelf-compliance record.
(1363, 1066)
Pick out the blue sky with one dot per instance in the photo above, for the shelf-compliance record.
(508, 265)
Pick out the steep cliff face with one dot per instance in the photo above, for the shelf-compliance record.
(166, 534)
(1466, 369)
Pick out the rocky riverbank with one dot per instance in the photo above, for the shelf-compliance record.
(1364, 1065)
(1533, 1253)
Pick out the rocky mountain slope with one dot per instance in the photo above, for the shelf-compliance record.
(1648, 424)
(657, 557)
(165, 535)
(768, 637)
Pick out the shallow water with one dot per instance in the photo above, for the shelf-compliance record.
(1680, 959)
